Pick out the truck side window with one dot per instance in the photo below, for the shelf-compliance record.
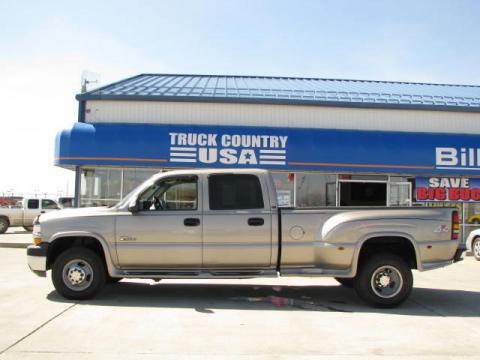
(235, 192)
(179, 193)
(49, 204)
(33, 204)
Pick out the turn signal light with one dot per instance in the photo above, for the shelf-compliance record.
(37, 241)
(455, 226)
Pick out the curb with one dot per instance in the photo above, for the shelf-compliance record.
(14, 245)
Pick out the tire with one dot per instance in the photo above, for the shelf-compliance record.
(476, 248)
(28, 228)
(475, 221)
(347, 282)
(3, 225)
(113, 280)
(78, 274)
(371, 281)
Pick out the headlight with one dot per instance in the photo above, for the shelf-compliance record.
(37, 234)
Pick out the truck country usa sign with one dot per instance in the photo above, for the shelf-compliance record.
(447, 189)
(228, 149)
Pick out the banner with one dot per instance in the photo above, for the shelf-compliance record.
(447, 189)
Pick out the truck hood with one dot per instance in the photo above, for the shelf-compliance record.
(72, 213)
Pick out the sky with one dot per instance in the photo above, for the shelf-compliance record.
(45, 46)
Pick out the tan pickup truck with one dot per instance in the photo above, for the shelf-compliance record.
(205, 224)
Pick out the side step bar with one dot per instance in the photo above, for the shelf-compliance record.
(195, 274)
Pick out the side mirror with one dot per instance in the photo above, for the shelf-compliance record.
(133, 207)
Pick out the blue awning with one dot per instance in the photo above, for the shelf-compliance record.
(332, 150)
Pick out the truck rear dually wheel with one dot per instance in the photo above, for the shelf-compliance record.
(384, 280)
(78, 274)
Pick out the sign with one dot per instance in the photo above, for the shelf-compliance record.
(461, 158)
(455, 189)
(276, 148)
(227, 149)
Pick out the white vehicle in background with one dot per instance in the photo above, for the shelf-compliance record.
(473, 243)
(24, 215)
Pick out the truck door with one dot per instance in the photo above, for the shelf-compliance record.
(166, 232)
(237, 222)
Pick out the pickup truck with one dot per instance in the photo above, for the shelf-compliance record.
(24, 215)
(225, 224)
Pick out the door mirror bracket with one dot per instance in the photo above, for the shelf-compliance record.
(133, 207)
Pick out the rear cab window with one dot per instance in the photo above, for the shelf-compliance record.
(235, 192)
(33, 204)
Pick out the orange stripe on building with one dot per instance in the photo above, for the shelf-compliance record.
(361, 165)
(112, 159)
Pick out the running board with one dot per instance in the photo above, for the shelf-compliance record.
(195, 274)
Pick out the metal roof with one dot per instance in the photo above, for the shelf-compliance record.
(290, 90)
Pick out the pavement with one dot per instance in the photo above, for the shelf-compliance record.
(16, 237)
(301, 318)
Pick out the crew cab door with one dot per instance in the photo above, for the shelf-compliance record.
(166, 231)
(237, 222)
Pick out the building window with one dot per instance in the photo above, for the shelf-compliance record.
(362, 193)
(315, 190)
(134, 177)
(470, 217)
(284, 184)
(100, 186)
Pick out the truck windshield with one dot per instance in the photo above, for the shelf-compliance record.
(127, 198)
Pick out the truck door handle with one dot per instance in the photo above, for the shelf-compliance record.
(256, 221)
(191, 222)
(42, 212)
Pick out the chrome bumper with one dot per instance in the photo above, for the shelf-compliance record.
(37, 259)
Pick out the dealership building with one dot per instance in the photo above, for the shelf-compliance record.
(327, 142)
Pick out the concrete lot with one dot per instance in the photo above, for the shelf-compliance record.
(16, 237)
(261, 318)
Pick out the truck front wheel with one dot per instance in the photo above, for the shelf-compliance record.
(384, 280)
(78, 274)
(347, 282)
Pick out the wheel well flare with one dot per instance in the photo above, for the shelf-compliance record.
(59, 245)
(397, 245)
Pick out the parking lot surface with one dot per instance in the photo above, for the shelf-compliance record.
(302, 318)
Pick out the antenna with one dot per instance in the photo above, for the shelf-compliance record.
(89, 77)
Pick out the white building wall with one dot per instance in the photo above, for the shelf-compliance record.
(300, 116)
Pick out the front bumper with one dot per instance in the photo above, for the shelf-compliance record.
(37, 259)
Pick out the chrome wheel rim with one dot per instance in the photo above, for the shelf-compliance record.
(3, 225)
(77, 275)
(476, 248)
(386, 281)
